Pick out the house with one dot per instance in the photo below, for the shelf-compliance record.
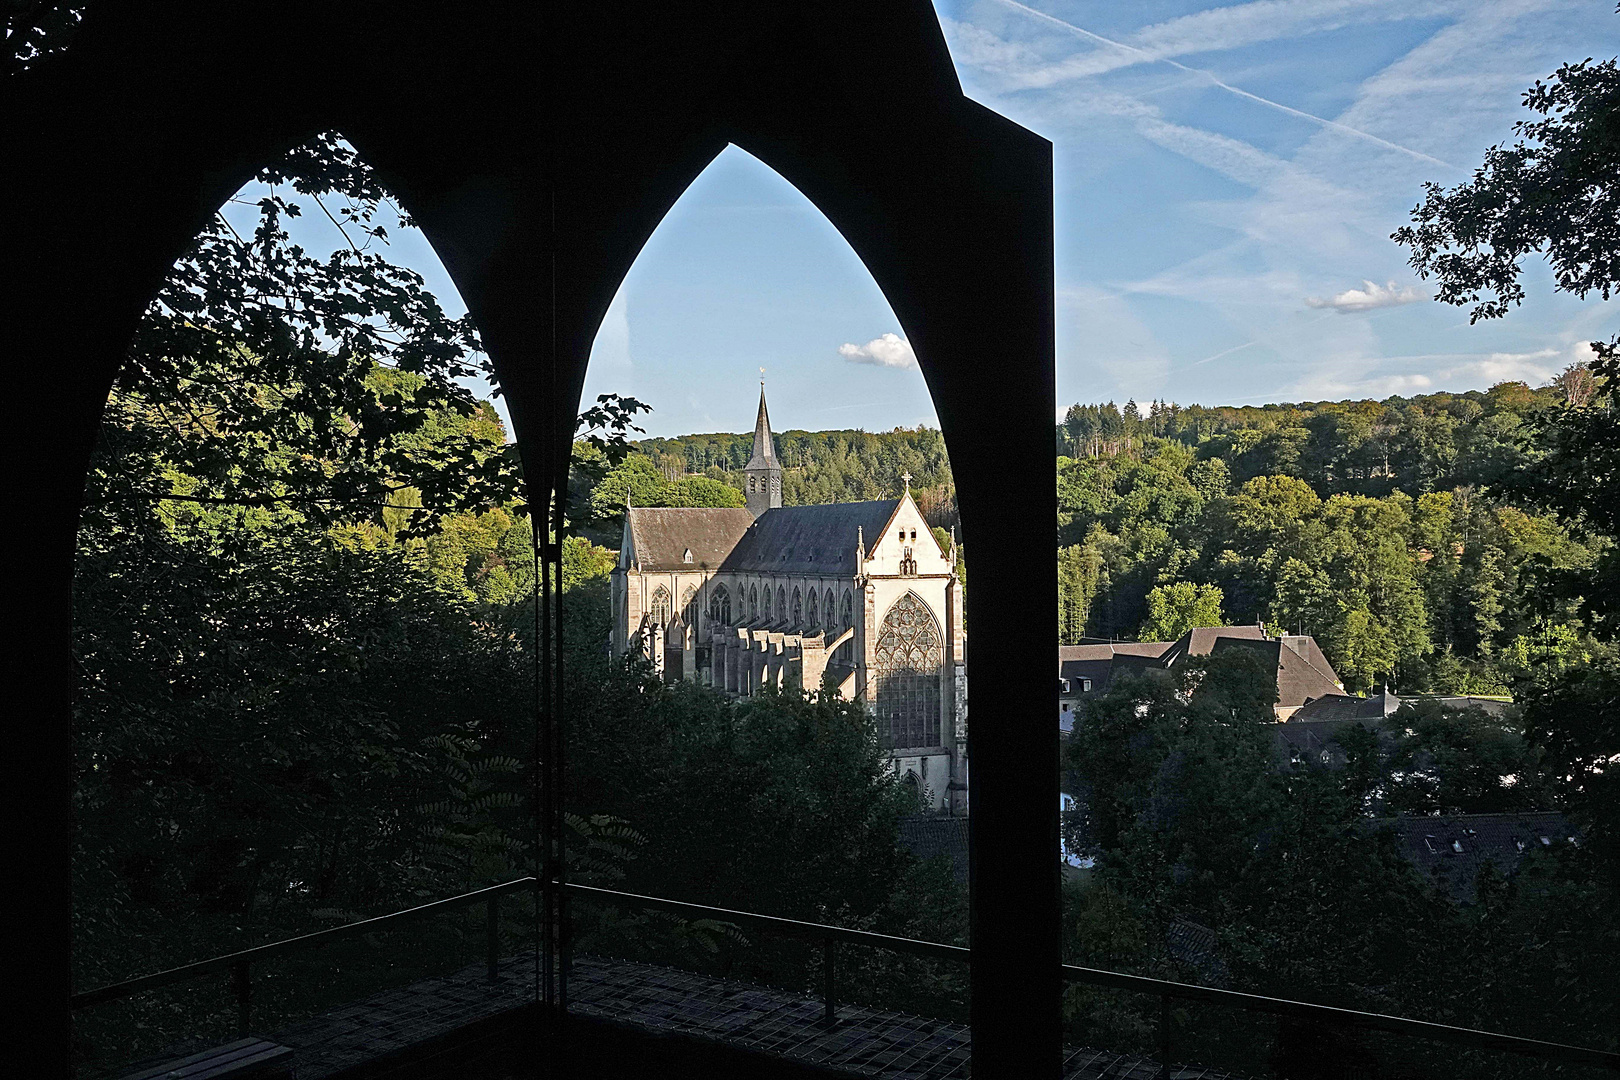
(1303, 672)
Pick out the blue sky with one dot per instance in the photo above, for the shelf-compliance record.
(1227, 178)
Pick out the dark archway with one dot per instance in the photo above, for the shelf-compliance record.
(539, 146)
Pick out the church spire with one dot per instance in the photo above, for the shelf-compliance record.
(763, 473)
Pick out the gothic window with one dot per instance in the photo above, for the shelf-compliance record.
(849, 608)
(798, 607)
(720, 605)
(908, 565)
(814, 612)
(689, 606)
(753, 602)
(660, 606)
(781, 603)
(828, 611)
(907, 663)
(766, 609)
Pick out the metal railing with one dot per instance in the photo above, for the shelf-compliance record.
(831, 937)
(240, 964)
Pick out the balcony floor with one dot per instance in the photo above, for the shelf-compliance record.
(648, 1012)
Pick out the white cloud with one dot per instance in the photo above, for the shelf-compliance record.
(1372, 297)
(889, 350)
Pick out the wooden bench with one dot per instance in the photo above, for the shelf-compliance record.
(244, 1058)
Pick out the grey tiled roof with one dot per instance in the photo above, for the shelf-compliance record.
(784, 540)
(810, 539)
(928, 836)
(660, 536)
(1450, 850)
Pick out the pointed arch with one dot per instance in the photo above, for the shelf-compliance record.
(720, 604)
(829, 611)
(753, 601)
(689, 612)
(906, 664)
(659, 608)
(812, 613)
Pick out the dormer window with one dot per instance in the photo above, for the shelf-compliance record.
(687, 558)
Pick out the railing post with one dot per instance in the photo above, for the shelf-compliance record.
(492, 930)
(243, 980)
(829, 988)
(1164, 1036)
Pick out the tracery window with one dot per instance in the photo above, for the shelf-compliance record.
(720, 605)
(907, 663)
(829, 610)
(781, 603)
(753, 602)
(689, 610)
(798, 607)
(659, 609)
(814, 612)
(766, 609)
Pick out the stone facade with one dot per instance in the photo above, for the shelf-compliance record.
(853, 598)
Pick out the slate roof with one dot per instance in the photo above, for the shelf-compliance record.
(662, 535)
(809, 539)
(1303, 673)
(926, 837)
(1451, 849)
(1339, 706)
(1299, 678)
(1096, 662)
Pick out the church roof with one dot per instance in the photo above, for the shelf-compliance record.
(661, 536)
(783, 540)
(810, 539)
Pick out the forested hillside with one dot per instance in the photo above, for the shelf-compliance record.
(825, 466)
(1407, 535)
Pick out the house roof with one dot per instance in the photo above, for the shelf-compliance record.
(927, 837)
(809, 539)
(1450, 850)
(660, 536)
(1339, 706)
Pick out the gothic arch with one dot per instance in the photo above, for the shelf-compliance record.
(813, 612)
(658, 608)
(537, 199)
(829, 611)
(906, 664)
(796, 617)
(753, 601)
(689, 613)
(720, 605)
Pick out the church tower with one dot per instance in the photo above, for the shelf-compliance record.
(763, 472)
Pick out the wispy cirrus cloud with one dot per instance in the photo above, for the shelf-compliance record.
(887, 350)
(1370, 298)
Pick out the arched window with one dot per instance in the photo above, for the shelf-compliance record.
(765, 607)
(798, 607)
(689, 612)
(815, 610)
(753, 602)
(849, 608)
(828, 610)
(659, 609)
(720, 605)
(781, 603)
(907, 663)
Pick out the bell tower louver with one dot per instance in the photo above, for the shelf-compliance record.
(763, 473)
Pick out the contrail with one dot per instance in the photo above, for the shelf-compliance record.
(1147, 56)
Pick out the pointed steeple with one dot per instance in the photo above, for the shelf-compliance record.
(763, 473)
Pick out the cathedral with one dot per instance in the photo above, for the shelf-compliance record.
(853, 598)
